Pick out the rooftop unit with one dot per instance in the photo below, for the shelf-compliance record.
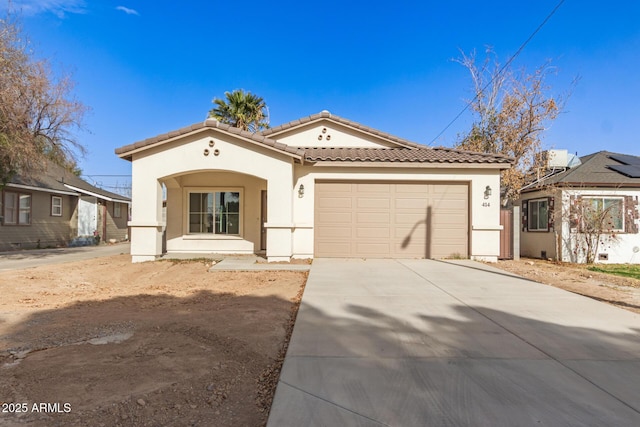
(556, 159)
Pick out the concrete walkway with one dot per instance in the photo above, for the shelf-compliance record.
(431, 343)
(15, 260)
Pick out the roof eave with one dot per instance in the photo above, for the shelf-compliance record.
(423, 165)
(98, 195)
(128, 151)
(325, 115)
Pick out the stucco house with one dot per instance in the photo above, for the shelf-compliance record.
(561, 207)
(57, 208)
(320, 186)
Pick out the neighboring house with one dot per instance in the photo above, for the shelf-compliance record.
(562, 208)
(320, 186)
(56, 208)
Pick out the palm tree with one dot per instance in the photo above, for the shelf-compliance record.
(241, 109)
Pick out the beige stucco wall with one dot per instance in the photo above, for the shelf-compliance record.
(155, 166)
(329, 134)
(484, 227)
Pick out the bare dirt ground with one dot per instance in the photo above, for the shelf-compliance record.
(109, 343)
(620, 291)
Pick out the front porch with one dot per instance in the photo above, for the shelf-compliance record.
(215, 212)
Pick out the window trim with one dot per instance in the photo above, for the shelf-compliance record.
(119, 213)
(213, 236)
(622, 216)
(54, 206)
(530, 214)
(17, 208)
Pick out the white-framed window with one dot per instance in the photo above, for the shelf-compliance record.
(117, 210)
(538, 215)
(602, 212)
(56, 206)
(216, 212)
(17, 208)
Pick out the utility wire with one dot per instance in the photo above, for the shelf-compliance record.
(466, 107)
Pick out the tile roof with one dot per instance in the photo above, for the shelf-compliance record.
(125, 152)
(327, 115)
(56, 178)
(594, 171)
(401, 155)
(406, 151)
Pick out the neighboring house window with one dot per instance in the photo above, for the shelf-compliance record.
(56, 206)
(604, 213)
(17, 208)
(538, 215)
(215, 212)
(117, 212)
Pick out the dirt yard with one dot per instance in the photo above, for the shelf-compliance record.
(110, 343)
(622, 292)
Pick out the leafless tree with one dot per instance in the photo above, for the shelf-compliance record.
(593, 222)
(38, 113)
(512, 109)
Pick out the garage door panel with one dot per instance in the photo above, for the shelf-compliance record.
(421, 189)
(450, 189)
(329, 218)
(373, 188)
(407, 203)
(419, 231)
(410, 218)
(373, 218)
(389, 220)
(373, 249)
(451, 205)
(332, 203)
(373, 232)
(337, 187)
(375, 203)
(336, 249)
(337, 232)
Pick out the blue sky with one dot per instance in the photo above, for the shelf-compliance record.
(146, 68)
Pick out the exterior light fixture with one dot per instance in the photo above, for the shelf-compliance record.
(487, 192)
(301, 191)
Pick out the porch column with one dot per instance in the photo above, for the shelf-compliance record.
(146, 217)
(279, 224)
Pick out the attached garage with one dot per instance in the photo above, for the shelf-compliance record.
(361, 219)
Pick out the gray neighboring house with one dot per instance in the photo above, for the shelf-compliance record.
(551, 225)
(58, 208)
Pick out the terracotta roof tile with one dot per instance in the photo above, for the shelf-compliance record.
(210, 124)
(413, 155)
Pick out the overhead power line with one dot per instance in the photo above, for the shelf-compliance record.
(466, 107)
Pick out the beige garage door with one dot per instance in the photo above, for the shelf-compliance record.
(391, 220)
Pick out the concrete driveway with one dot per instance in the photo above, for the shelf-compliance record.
(432, 343)
(15, 260)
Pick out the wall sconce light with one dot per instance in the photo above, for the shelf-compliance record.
(487, 192)
(301, 191)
